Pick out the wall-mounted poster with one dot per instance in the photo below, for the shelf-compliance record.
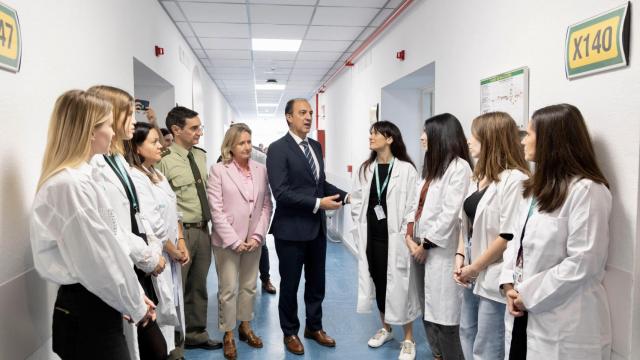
(507, 92)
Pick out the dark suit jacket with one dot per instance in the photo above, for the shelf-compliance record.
(295, 190)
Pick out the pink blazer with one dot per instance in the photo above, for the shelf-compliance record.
(233, 222)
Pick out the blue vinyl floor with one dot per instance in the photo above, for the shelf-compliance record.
(350, 329)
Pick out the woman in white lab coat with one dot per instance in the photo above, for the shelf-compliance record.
(555, 292)
(489, 221)
(446, 175)
(145, 251)
(381, 206)
(75, 241)
(159, 208)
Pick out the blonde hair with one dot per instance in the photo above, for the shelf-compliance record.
(122, 103)
(500, 147)
(231, 139)
(75, 116)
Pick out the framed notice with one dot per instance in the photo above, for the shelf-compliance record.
(10, 39)
(599, 43)
(507, 92)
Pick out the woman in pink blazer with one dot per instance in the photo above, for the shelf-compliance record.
(240, 202)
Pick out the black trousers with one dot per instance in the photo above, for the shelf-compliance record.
(264, 263)
(518, 349)
(293, 256)
(85, 327)
(377, 257)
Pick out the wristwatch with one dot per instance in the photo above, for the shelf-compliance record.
(426, 244)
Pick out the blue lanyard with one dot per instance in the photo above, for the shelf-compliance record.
(386, 181)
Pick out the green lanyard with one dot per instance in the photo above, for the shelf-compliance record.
(386, 181)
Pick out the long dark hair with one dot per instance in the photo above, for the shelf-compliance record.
(136, 160)
(445, 143)
(398, 149)
(563, 152)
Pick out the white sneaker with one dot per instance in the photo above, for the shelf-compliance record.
(381, 337)
(408, 350)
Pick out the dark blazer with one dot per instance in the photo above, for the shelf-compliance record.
(295, 190)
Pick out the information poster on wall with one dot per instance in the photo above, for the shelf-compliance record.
(507, 92)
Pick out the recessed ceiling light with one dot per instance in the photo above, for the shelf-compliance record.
(270, 86)
(275, 45)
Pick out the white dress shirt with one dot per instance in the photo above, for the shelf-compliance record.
(75, 238)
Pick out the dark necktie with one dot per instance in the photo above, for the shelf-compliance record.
(202, 194)
(312, 163)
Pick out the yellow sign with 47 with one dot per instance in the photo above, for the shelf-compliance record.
(10, 39)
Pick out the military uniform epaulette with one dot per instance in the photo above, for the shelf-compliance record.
(199, 148)
(165, 152)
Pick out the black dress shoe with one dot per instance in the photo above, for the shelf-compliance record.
(207, 345)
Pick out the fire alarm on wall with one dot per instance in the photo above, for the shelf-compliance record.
(159, 50)
(400, 55)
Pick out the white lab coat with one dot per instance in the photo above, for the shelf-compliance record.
(144, 256)
(498, 212)
(159, 208)
(75, 239)
(440, 224)
(402, 304)
(565, 253)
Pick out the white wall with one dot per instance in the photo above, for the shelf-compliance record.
(472, 40)
(71, 44)
(403, 108)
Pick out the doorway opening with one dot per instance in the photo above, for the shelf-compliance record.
(149, 86)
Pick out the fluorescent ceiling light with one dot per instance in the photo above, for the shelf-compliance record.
(268, 105)
(270, 86)
(275, 45)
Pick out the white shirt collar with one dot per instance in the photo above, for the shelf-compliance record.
(297, 138)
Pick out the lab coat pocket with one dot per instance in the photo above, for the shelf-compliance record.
(402, 256)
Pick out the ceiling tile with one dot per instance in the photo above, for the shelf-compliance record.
(220, 29)
(231, 70)
(343, 16)
(297, 71)
(354, 3)
(216, 1)
(307, 64)
(268, 31)
(173, 10)
(214, 12)
(284, 2)
(274, 55)
(231, 63)
(368, 31)
(384, 14)
(184, 28)
(233, 76)
(280, 14)
(324, 45)
(193, 42)
(334, 32)
(394, 4)
(303, 76)
(313, 55)
(225, 44)
(229, 54)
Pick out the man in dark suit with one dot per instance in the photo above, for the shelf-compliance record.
(296, 175)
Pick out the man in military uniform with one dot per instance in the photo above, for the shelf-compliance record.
(184, 166)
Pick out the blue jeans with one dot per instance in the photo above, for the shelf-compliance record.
(481, 327)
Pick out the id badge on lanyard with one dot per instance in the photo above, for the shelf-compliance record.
(378, 209)
(518, 271)
(139, 223)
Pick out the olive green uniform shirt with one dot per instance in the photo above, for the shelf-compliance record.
(175, 167)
